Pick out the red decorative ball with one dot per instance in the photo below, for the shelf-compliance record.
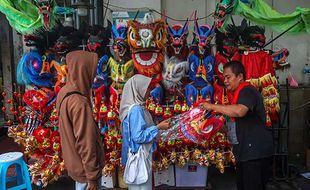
(9, 123)
(3, 109)
(55, 138)
(40, 133)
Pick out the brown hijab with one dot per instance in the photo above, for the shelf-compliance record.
(81, 73)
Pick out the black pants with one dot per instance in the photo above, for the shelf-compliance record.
(254, 174)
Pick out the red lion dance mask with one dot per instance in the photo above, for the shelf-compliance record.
(147, 43)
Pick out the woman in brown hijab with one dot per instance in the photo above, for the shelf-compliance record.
(80, 137)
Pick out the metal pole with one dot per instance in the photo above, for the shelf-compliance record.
(95, 12)
(282, 33)
(136, 14)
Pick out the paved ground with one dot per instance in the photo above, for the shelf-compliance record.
(216, 180)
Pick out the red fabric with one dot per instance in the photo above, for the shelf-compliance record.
(257, 64)
(237, 91)
(236, 94)
(221, 60)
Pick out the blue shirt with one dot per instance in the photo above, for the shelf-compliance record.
(135, 124)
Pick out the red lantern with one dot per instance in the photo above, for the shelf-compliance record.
(151, 105)
(159, 110)
(161, 145)
(55, 137)
(171, 143)
(179, 143)
(9, 123)
(20, 118)
(185, 107)
(103, 110)
(46, 145)
(111, 117)
(56, 146)
(40, 133)
(187, 142)
(177, 107)
(167, 112)
(119, 142)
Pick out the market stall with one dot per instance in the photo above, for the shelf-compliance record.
(183, 75)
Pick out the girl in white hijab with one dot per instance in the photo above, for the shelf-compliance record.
(137, 122)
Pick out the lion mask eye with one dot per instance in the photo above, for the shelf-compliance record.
(131, 35)
(179, 70)
(159, 35)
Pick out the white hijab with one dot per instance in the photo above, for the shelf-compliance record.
(133, 93)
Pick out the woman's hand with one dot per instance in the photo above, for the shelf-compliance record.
(164, 125)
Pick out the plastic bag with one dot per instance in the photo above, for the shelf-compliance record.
(196, 125)
(292, 81)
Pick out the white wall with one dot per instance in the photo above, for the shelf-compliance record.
(182, 9)
(153, 4)
(298, 45)
(132, 4)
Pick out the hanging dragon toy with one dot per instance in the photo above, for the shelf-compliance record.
(258, 64)
(259, 12)
(177, 41)
(147, 43)
(121, 65)
(28, 16)
(98, 39)
(201, 65)
(227, 50)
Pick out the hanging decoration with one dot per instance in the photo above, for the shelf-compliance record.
(35, 123)
(28, 16)
(41, 145)
(259, 12)
(227, 46)
(201, 65)
(174, 73)
(98, 38)
(121, 64)
(258, 64)
(147, 43)
(177, 41)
